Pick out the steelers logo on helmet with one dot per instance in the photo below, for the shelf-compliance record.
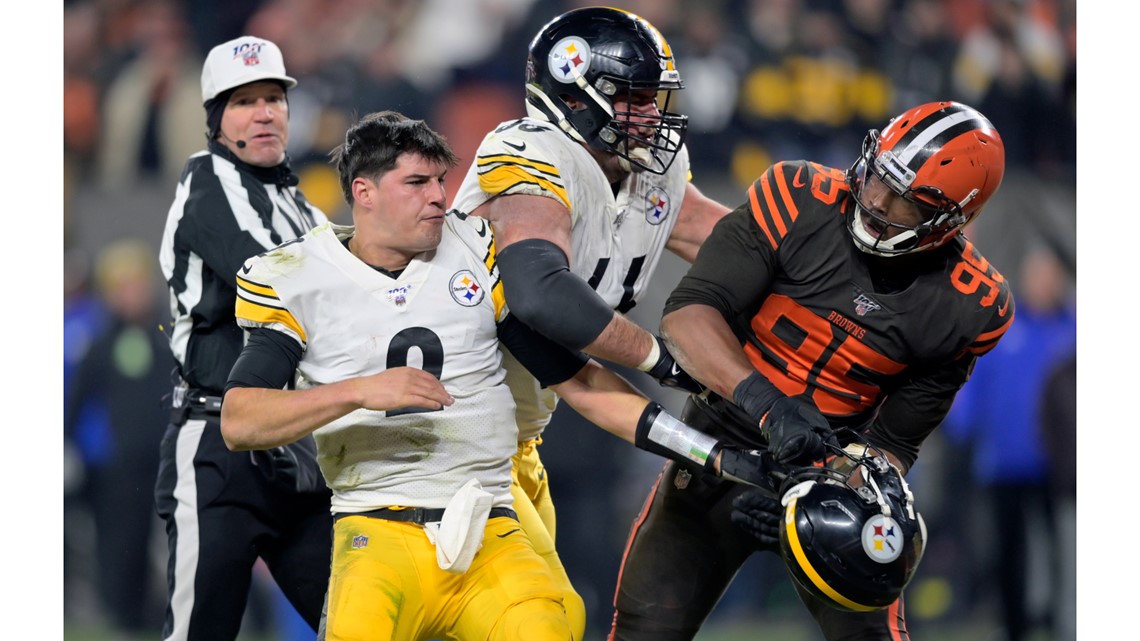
(465, 289)
(852, 537)
(881, 538)
(583, 68)
(569, 58)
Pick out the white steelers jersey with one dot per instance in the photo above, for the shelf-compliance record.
(351, 320)
(617, 241)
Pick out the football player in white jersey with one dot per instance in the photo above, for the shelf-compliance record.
(585, 194)
(393, 327)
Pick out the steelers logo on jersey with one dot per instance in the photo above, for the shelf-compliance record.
(568, 59)
(656, 206)
(465, 289)
(882, 538)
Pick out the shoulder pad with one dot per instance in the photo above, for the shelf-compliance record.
(980, 281)
(785, 190)
(521, 157)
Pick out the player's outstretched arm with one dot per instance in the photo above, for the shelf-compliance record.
(532, 237)
(606, 399)
(698, 215)
(256, 418)
(705, 347)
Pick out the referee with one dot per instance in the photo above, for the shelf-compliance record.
(223, 510)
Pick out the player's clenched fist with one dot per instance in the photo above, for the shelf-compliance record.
(796, 431)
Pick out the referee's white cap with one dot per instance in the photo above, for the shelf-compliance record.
(241, 61)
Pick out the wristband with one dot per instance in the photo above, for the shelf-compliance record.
(755, 395)
(660, 433)
(654, 356)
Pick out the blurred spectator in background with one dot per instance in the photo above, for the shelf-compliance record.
(127, 369)
(214, 21)
(444, 35)
(811, 90)
(1059, 423)
(920, 53)
(1028, 27)
(86, 435)
(1013, 66)
(383, 78)
(81, 90)
(713, 58)
(149, 115)
(998, 416)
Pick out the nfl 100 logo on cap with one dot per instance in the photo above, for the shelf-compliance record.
(242, 61)
(248, 53)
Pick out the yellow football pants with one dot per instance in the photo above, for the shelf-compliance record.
(531, 492)
(386, 585)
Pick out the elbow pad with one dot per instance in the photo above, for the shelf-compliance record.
(543, 293)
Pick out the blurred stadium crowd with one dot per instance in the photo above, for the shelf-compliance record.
(764, 80)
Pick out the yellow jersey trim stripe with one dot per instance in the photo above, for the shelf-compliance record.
(256, 288)
(256, 303)
(503, 178)
(501, 173)
(539, 166)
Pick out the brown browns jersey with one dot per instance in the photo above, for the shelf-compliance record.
(882, 340)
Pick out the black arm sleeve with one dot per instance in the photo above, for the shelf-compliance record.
(912, 411)
(733, 270)
(268, 360)
(542, 291)
(548, 361)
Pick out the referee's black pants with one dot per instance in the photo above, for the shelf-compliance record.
(222, 513)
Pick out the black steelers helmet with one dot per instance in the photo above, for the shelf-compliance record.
(851, 538)
(594, 56)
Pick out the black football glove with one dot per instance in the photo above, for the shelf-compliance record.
(759, 515)
(669, 374)
(750, 467)
(292, 467)
(796, 431)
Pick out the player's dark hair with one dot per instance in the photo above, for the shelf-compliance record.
(372, 146)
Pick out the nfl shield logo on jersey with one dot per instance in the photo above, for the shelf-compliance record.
(399, 295)
(681, 481)
(359, 541)
(864, 304)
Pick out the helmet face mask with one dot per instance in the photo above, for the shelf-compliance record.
(853, 539)
(945, 158)
(591, 72)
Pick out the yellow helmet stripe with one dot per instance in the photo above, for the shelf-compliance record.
(805, 565)
(666, 51)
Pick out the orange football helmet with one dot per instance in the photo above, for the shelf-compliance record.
(944, 157)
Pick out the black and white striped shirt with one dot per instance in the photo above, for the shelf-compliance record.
(224, 211)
